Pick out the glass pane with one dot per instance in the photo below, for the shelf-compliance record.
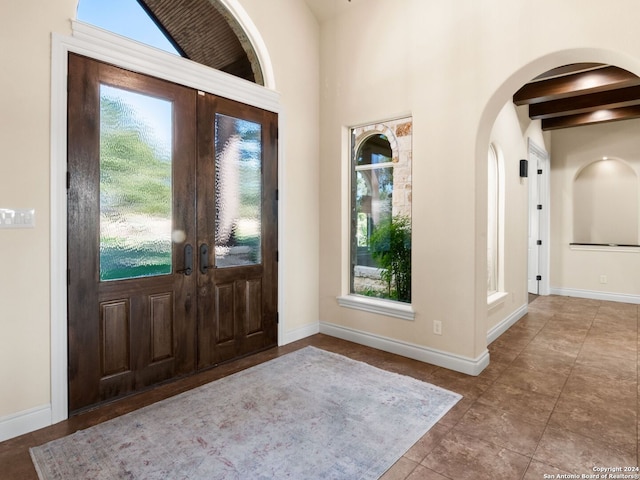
(135, 184)
(238, 188)
(375, 150)
(380, 256)
(374, 195)
(126, 18)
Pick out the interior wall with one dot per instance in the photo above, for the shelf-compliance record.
(25, 319)
(452, 66)
(510, 135)
(295, 56)
(580, 268)
(24, 183)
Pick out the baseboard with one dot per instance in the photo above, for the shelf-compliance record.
(594, 295)
(451, 361)
(504, 325)
(299, 333)
(24, 422)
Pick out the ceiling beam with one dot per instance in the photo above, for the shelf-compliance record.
(598, 116)
(622, 97)
(592, 81)
(567, 69)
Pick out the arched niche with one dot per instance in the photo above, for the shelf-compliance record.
(605, 203)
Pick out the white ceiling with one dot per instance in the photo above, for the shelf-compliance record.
(325, 9)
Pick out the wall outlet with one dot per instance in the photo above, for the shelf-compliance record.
(437, 327)
(603, 279)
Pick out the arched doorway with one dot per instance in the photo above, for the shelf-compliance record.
(503, 95)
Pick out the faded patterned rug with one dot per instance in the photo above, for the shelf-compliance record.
(306, 415)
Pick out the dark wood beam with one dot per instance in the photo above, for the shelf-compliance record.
(566, 69)
(598, 116)
(621, 97)
(592, 81)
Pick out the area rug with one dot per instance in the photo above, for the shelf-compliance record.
(306, 415)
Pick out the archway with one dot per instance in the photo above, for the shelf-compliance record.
(498, 99)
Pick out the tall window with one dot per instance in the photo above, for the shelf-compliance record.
(381, 210)
(493, 221)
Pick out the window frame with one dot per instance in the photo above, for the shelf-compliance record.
(497, 296)
(383, 306)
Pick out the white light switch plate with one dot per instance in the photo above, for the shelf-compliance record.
(17, 218)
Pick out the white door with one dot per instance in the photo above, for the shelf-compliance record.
(538, 239)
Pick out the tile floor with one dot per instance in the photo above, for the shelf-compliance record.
(559, 397)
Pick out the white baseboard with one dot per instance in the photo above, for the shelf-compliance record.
(451, 361)
(595, 295)
(299, 333)
(24, 422)
(504, 325)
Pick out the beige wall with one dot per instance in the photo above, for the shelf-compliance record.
(510, 134)
(571, 151)
(294, 53)
(24, 182)
(453, 66)
(25, 366)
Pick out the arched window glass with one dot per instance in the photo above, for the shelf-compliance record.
(605, 204)
(493, 221)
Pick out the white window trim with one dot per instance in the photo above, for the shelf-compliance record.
(386, 307)
(495, 299)
(380, 306)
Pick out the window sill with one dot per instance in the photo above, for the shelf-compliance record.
(389, 308)
(496, 299)
(592, 247)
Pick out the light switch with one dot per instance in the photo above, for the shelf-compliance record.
(17, 218)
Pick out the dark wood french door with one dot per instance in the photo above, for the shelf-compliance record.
(172, 231)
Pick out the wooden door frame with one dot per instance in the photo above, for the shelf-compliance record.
(109, 48)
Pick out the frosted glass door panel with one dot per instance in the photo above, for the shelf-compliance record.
(238, 191)
(135, 185)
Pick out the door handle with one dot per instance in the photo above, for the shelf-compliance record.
(204, 259)
(188, 260)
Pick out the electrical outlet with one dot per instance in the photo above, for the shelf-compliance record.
(603, 279)
(437, 327)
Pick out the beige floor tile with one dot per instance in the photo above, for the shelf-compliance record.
(499, 428)
(545, 381)
(578, 454)
(532, 406)
(427, 443)
(542, 359)
(400, 470)
(463, 457)
(423, 473)
(539, 471)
